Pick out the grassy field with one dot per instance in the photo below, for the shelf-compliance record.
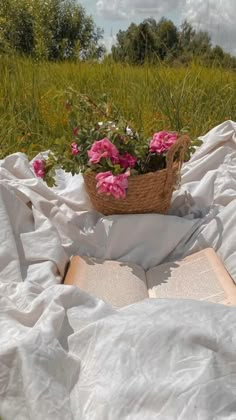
(33, 96)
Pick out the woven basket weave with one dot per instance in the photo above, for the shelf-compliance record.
(147, 193)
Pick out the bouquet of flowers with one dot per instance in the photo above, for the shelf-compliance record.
(111, 155)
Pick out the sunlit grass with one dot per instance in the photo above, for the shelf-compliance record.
(33, 96)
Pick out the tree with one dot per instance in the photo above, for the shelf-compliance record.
(147, 41)
(144, 45)
(16, 26)
(151, 41)
(217, 53)
(201, 43)
(167, 37)
(190, 41)
(186, 36)
(126, 43)
(52, 29)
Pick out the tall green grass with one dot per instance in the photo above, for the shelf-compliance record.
(33, 96)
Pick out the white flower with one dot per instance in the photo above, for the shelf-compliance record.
(129, 132)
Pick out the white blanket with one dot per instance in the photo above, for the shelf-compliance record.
(67, 355)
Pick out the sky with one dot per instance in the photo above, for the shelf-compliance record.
(215, 16)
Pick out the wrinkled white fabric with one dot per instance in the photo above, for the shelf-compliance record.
(65, 354)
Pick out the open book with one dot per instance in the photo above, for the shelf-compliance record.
(200, 276)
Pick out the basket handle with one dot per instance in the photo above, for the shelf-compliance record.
(182, 144)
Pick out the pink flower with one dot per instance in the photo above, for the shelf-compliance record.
(162, 141)
(127, 161)
(110, 184)
(103, 149)
(74, 148)
(39, 168)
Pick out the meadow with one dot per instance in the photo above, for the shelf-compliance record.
(33, 112)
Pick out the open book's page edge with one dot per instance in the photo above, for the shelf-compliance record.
(224, 277)
(75, 268)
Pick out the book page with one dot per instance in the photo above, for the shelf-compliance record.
(200, 276)
(114, 282)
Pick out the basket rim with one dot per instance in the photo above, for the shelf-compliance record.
(89, 172)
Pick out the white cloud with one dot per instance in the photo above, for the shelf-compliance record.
(215, 16)
(115, 10)
(128, 9)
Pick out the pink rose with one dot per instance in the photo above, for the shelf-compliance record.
(103, 149)
(127, 161)
(39, 168)
(74, 148)
(110, 184)
(162, 141)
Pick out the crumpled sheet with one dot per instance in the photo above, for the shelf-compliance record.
(65, 354)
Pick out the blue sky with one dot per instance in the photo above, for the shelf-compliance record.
(215, 16)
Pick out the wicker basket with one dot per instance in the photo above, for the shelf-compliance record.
(148, 193)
